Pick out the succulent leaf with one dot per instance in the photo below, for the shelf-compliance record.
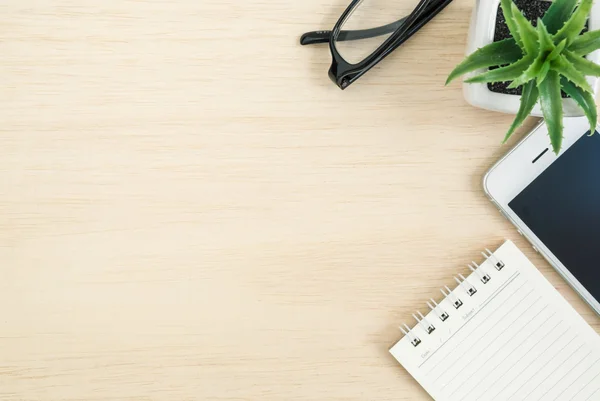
(586, 43)
(543, 72)
(545, 44)
(583, 65)
(584, 99)
(528, 100)
(526, 31)
(557, 50)
(537, 68)
(558, 13)
(551, 102)
(498, 53)
(508, 73)
(530, 73)
(506, 6)
(564, 67)
(574, 25)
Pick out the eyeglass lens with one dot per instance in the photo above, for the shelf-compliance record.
(369, 14)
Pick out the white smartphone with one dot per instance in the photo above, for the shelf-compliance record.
(554, 201)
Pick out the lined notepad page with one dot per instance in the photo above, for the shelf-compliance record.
(515, 339)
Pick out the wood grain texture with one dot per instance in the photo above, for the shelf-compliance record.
(191, 210)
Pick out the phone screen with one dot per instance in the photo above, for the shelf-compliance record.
(562, 208)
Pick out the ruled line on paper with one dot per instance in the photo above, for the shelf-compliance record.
(583, 388)
(452, 363)
(529, 336)
(591, 395)
(496, 293)
(479, 337)
(535, 360)
(552, 372)
(498, 336)
(563, 376)
(585, 370)
(461, 386)
(525, 354)
(537, 372)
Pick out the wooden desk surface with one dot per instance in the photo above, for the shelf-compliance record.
(191, 210)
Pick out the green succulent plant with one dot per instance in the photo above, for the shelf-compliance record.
(543, 60)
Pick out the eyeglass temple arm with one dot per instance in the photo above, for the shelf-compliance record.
(311, 38)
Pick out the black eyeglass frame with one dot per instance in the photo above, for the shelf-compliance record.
(343, 73)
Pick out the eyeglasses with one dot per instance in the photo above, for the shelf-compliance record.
(369, 22)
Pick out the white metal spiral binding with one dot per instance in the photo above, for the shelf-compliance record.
(453, 298)
(414, 340)
(424, 323)
(442, 314)
(469, 288)
(498, 264)
(484, 277)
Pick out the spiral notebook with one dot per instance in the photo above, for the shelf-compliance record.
(504, 333)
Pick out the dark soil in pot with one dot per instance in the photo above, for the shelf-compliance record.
(532, 9)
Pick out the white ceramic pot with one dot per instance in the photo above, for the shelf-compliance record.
(481, 33)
